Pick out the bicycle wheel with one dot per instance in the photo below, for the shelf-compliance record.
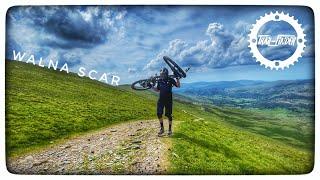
(174, 67)
(143, 84)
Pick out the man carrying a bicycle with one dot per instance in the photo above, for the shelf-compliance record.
(164, 87)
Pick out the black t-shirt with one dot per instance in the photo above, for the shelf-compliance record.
(165, 87)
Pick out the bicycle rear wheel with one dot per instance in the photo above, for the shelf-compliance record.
(143, 84)
(177, 70)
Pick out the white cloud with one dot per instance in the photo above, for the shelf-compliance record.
(222, 49)
(174, 50)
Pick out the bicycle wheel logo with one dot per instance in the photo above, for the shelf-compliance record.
(298, 40)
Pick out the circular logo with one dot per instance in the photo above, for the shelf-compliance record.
(297, 40)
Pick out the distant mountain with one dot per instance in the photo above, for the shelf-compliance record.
(291, 94)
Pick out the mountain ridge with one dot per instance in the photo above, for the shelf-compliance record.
(290, 94)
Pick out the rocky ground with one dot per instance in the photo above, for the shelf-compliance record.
(128, 148)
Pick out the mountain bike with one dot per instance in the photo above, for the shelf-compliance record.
(149, 83)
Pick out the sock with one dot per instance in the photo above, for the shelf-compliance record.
(161, 125)
(169, 127)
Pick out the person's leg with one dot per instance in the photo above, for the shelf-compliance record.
(160, 107)
(169, 115)
(170, 124)
(161, 123)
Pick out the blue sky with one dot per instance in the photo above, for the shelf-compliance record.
(130, 40)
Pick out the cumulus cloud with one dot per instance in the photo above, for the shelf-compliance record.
(223, 48)
(219, 36)
(67, 26)
(174, 50)
(309, 50)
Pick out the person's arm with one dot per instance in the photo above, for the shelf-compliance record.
(178, 83)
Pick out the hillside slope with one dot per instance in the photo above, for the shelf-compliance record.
(45, 106)
(209, 144)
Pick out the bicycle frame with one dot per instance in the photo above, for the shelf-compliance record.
(149, 83)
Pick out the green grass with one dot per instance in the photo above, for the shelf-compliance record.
(292, 128)
(45, 105)
(214, 146)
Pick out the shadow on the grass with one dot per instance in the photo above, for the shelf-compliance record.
(219, 148)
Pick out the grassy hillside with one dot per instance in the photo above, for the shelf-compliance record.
(44, 106)
(212, 145)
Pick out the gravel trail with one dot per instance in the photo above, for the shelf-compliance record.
(128, 148)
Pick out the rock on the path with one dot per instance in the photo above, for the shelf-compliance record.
(51, 153)
(136, 142)
(60, 170)
(109, 164)
(27, 161)
(74, 150)
(117, 157)
(92, 149)
(135, 146)
(66, 162)
(175, 155)
(66, 146)
(28, 158)
(39, 162)
(90, 158)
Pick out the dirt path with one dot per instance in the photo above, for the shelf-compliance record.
(128, 148)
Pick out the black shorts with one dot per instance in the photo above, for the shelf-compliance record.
(168, 107)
